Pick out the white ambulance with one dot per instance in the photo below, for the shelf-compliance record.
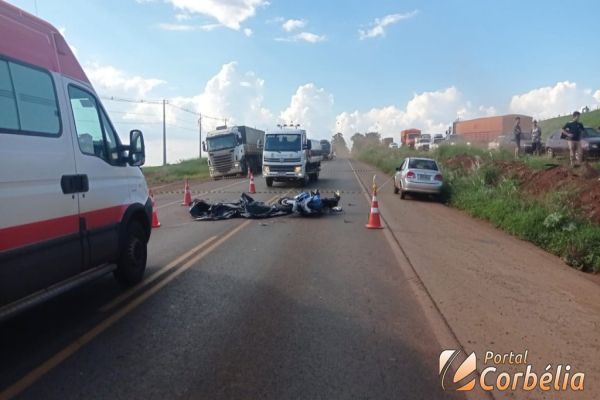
(73, 201)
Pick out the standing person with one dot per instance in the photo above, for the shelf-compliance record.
(573, 131)
(536, 138)
(517, 134)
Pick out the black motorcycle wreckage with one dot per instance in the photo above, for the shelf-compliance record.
(305, 204)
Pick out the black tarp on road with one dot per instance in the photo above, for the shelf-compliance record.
(247, 207)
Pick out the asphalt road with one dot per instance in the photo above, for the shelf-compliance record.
(286, 308)
(307, 308)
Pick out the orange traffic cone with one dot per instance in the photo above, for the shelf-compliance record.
(252, 188)
(374, 220)
(155, 221)
(187, 195)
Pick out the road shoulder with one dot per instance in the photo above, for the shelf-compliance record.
(496, 292)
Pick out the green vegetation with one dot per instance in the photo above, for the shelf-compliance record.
(192, 169)
(483, 191)
(589, 119)
(548, 222)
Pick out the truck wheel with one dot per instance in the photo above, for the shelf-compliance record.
(244, 166)
(132, 261)
(269, 181)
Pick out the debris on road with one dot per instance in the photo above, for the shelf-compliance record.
(305, 203)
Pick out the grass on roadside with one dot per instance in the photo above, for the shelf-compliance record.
(192, 169)
(590, 119)
(548, 222)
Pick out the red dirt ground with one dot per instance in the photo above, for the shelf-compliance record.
(582, 182)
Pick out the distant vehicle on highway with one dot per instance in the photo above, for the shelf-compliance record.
(73, 201)
(418, 175)
(289, 156)
(233, 150)
(423, 142)
(438, 139)
(590, 144)
(508, 143)
(454, 140)
(326, 150)
(408, 137)
(393, 145)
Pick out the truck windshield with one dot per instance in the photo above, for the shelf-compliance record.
(283, 142)
(220, 142)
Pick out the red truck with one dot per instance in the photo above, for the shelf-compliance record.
(408, 137)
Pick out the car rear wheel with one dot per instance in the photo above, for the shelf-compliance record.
(402, 195)
(132, 261)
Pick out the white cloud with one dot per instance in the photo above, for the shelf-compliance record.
(293, 24)
(111, 81)
(248, 32)
(303, 37)
(377, 27)
(312, 108)
(550, 101)
(188, 27)
(183, 17)
(230, 93)
(487, 111)
(237, 96)
(229, 13)
(432, 112)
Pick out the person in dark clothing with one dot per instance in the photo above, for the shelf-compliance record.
(572, 132)
(517, 135)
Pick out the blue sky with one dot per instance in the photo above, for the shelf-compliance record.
(434, 61)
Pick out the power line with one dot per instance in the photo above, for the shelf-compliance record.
(159, 102)
(125, 100)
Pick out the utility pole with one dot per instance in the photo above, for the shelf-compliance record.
(200, 137)
(164, 102)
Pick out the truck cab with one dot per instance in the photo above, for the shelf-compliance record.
(289, 156)
(233, 151)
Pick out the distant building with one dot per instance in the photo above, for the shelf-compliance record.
(485, 130)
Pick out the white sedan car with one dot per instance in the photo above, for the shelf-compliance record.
(418, 175)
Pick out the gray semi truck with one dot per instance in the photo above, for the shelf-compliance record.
(233, 150)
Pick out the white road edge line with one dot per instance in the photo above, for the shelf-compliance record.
(441, 329)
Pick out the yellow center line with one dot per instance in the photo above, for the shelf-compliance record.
(119, 299)
(34, 375)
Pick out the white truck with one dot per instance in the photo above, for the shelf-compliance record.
(232, 150)
(289, 156)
